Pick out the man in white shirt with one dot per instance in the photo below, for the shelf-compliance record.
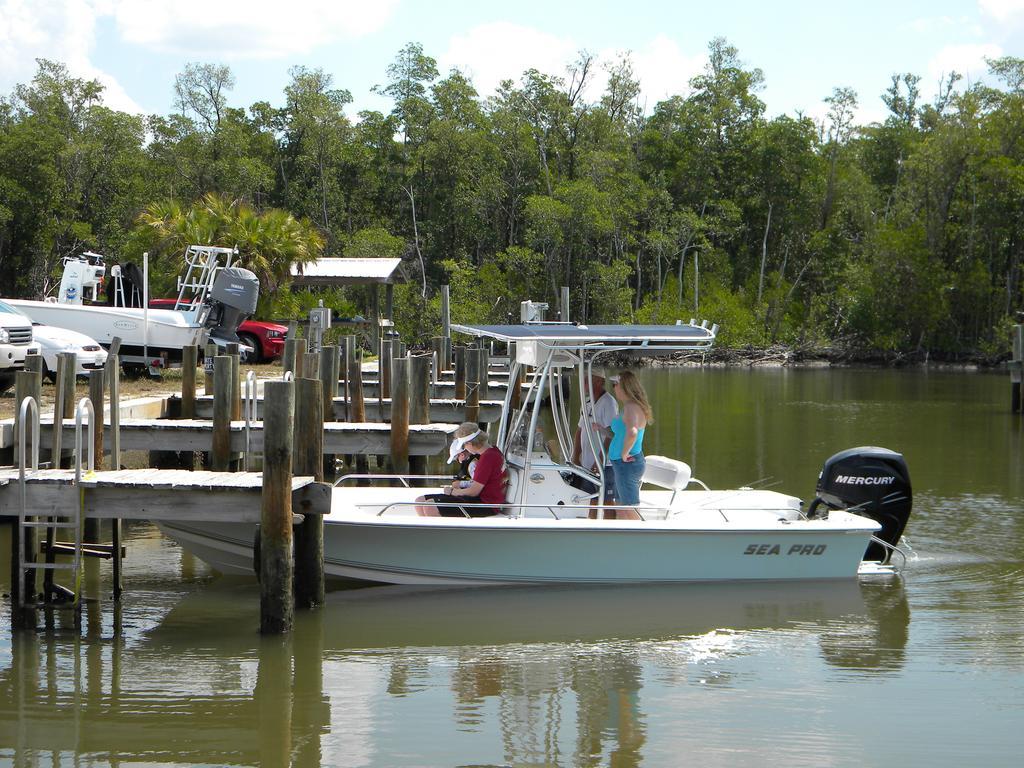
(600, 408)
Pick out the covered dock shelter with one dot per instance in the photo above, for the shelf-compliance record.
(339, 272)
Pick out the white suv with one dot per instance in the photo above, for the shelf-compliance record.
(15, 344)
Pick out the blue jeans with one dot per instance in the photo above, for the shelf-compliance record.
(628, 476)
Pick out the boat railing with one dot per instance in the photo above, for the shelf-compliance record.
(890, 549)
(249, 411)
(403, 478)
(510, 507)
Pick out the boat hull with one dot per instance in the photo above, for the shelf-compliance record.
(159, 331)
(404, 549)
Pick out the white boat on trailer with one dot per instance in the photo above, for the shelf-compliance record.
(213, 299)
(687, 532)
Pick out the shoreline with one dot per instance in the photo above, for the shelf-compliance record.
(781, 356)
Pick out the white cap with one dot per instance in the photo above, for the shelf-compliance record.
(458, 444)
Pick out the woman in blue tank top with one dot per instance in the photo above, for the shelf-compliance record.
(626, 449)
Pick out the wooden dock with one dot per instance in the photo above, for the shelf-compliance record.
(197, 435)
(442, 389)
(155, 494)
(442, 410)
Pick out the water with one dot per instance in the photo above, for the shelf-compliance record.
(925, 671)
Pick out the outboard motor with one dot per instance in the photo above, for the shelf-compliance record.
(232, 301)
(871, 482)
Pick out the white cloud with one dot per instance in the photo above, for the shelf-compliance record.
(245, 29)
(966, 59)
(490, 53)
(63, 31)
(664, 70)
(1003, 11)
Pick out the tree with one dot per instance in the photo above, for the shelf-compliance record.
(316, 129)
(269, 242)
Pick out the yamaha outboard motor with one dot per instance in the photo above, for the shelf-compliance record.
(871, 482)
(232, 301)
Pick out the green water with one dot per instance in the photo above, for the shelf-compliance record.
(925, 671)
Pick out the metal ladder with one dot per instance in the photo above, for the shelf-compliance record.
(203, 263)
(67, 520)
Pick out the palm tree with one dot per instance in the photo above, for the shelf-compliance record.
(269, 243)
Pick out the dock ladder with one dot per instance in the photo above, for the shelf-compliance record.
(70, 520)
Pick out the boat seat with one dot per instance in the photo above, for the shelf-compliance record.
(667, 473)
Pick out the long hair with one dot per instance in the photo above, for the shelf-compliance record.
(635, 391)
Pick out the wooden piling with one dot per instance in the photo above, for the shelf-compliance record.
(329, 391)
(236, 380)
(308, 459)
(220, 449)
(311, 365)
(358, 412)
(419, 402)
(419, 388)
(485, 371)
(113, 372)
(384, 367)
(277, 601)
(459, 354)
(96, 394)
(345, 386)
(208, 358)
(355, 375)
(446, 363)
(516, 383)
(400, 415)
(294, 354)
(474, 357)
(91, 526)
(288, 357)
(27, 383)
(34, 364)
(437, 347)
(189, 359)
(70, 382)
(60, 393)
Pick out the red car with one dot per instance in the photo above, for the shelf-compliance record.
(266, 339)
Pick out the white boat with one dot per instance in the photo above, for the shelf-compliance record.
(545, 536)
(213, 298)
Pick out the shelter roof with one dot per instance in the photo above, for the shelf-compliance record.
(338, 271)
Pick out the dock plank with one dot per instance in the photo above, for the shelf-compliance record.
(446, 410)
(197, 435)
(155, 494)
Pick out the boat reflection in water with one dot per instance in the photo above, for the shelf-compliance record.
(555, 675)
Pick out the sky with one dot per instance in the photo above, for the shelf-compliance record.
(805, 49)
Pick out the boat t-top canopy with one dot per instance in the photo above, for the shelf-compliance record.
(596, 338)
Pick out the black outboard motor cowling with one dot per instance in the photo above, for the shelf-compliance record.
(232, 301)
(872, 482)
